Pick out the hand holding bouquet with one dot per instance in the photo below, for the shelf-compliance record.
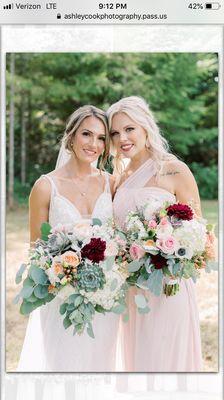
(83, 265)
(167, 245)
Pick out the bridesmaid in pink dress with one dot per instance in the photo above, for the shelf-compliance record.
(167, 339)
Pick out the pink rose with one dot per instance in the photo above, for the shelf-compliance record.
(136, 252)
(166, 245)
(164, 221)
(152, 224)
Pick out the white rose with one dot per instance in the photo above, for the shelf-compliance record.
(151, 208)
(65, 292)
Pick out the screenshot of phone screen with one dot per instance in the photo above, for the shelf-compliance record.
(111, 199)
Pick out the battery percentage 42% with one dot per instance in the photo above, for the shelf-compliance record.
(196, 6)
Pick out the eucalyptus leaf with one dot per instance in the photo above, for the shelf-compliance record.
(66, 322)
(41, 291)
(100, 309)
(72, 298)
(26, 308)
(96, 221)
(154, 282)
(108, 263)
(119, 309)
(90, 330)
(70, 307)
(140, 301)
(134, 266)
(32, 298)
(142, 283)
(144, 310)
(121, 235)
(28, 282)
(176, 268)
(76, 316)
(78, 301)
(16, 299)
(38, 275)
(26, 292)
(19, 274)
(63, 308)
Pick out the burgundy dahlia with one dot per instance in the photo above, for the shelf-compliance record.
(94, 250)
(180, 211)
(158, 261)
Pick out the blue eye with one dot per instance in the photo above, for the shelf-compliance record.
(129, 129)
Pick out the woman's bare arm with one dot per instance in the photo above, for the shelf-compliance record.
(39, 207)
(185, 186)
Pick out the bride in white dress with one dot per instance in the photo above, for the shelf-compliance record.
(74, 191)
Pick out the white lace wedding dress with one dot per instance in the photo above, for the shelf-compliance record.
(48, 347)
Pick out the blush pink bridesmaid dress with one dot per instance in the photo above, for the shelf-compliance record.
(167, 339)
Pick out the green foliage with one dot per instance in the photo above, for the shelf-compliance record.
(181, 89)
(45, 230)
(207, 180)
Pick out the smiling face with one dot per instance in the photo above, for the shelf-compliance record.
(128, 137)
(89, 139)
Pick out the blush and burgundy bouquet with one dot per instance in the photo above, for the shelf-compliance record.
(83, 265)
(167, 244)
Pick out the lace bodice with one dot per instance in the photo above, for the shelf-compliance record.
(64, 212)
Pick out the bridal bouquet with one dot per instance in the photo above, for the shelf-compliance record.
(83, 265)
(167, 244)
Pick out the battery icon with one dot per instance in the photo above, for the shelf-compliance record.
(212, 6)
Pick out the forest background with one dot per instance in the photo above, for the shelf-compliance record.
(44, 89)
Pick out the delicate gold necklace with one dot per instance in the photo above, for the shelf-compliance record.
(82, 192)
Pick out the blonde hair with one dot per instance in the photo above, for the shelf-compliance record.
(138, 110)
(75, 120)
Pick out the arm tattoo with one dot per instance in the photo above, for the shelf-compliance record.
(171, 173)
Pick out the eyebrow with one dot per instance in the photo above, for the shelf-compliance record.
(100, 134)
(126, 126)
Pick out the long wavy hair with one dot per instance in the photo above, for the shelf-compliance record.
(75, 121)
(138, 110)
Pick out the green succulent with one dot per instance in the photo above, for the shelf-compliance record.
(90, 277)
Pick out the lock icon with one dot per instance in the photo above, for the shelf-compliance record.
(58, 16)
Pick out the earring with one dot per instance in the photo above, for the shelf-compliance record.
(147, 144)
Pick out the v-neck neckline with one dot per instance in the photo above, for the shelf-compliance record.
(146, 163)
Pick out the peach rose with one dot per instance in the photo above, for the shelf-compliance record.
(57, 267)
(71, 258)
(210, 246)
(149, 243)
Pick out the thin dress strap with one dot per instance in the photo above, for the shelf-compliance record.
(107, 184)
(141, 176)
(54, 189)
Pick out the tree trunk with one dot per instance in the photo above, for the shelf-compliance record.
(11, 134)
(23, 142)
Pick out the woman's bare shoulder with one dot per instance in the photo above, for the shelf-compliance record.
(175, 168)
(41, 189)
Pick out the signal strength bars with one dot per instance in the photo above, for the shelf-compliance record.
(8, 7)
